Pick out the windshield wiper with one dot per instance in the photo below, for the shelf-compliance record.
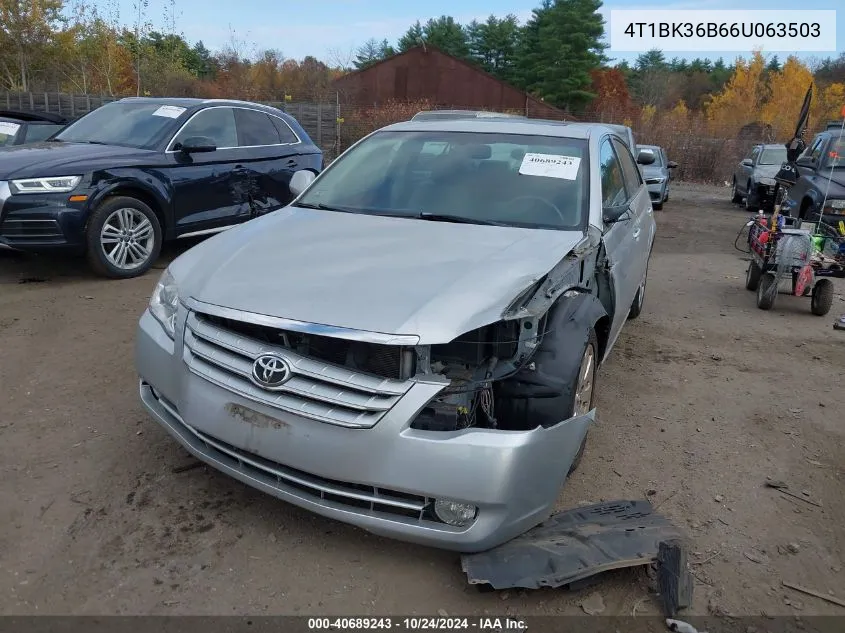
(328, 207)
(457, 219)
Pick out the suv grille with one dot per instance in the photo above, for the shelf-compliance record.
(319, 388)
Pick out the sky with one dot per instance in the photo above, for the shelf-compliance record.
(331, 30)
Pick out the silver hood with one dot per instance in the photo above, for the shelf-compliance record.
(398, 276)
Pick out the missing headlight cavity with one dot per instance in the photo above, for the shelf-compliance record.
(516, 374)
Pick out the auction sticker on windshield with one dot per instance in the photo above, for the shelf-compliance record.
(171, 112)
(550, 166)
(9, 129)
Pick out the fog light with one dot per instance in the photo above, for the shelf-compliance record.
(454, 513)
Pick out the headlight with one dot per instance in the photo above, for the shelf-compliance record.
(165, 301)
(654, 181)
(836, 204)
(59, 184)
(767, 181)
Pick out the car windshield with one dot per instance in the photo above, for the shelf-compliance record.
(129, 124)
(836, 154)
(485, 178)
(773, 156)
(8, 131)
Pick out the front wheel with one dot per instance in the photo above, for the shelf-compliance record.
(735, 197)
(822, 297)
(751, 203)
(767, 291)
(123, 238)
(584, 391)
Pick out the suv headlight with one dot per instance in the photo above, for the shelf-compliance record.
(164, 302)
(57, 184)
(836, 204)
(767, 181)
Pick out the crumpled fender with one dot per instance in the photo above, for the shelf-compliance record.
(542, 389)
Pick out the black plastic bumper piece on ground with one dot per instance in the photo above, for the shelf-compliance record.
(573, 545)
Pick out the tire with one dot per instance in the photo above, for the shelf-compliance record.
(767, 291)
(822, 297)
(735, 197)
(592, 346)
(751, 203)
(752, 276)
(127, 222)
(657, 206)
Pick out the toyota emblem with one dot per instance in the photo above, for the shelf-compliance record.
(270, 371)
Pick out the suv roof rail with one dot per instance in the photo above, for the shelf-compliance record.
(440, 115)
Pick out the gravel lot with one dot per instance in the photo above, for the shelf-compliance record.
(703, 397)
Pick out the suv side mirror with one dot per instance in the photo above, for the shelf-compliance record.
(300, 180)
(747, 162)
(612, 215)
(645, 158)
(197, 145)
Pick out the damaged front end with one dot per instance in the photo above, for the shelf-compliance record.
(516, 374)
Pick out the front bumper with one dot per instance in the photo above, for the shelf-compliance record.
(39, 222)
(383, 479)
(657, 191)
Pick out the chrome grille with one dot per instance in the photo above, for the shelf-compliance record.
(317, 390)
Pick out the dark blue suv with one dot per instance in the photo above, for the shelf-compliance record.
(124, 178)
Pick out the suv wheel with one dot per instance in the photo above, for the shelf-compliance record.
(123, 238)
(735, 197)
(750, 198)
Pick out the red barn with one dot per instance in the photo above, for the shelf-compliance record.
(427, 73)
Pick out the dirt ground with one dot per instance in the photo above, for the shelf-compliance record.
(703, 398)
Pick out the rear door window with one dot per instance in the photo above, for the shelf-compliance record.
(255, 128)
(285, 133)
(217, 124)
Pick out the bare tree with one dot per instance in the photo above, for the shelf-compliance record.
(342, 59)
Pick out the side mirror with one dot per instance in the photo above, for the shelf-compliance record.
(611, 215)
(746, 162)
(672, 164)
(645, 158)
(300, 180)
(197, 145)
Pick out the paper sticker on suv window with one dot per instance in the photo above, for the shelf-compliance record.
(171, 112)
(550, 166)
(8, 128)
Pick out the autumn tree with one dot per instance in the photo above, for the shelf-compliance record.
(742, 99)
(613, 103)
(27, 28)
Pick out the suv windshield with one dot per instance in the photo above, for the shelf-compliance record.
(129, 124)
(509, 179)
(836, 153)
(773, 156)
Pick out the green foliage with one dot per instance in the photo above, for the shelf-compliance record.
(493, 45)
(560, 45)
(371, 52)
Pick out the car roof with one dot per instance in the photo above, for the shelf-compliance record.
(657, 147)
(429, 115)
(29, 116)
(488, 125)
(191, 102)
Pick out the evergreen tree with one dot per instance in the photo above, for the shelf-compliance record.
(561, 44)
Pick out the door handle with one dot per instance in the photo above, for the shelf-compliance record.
(636, 232)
